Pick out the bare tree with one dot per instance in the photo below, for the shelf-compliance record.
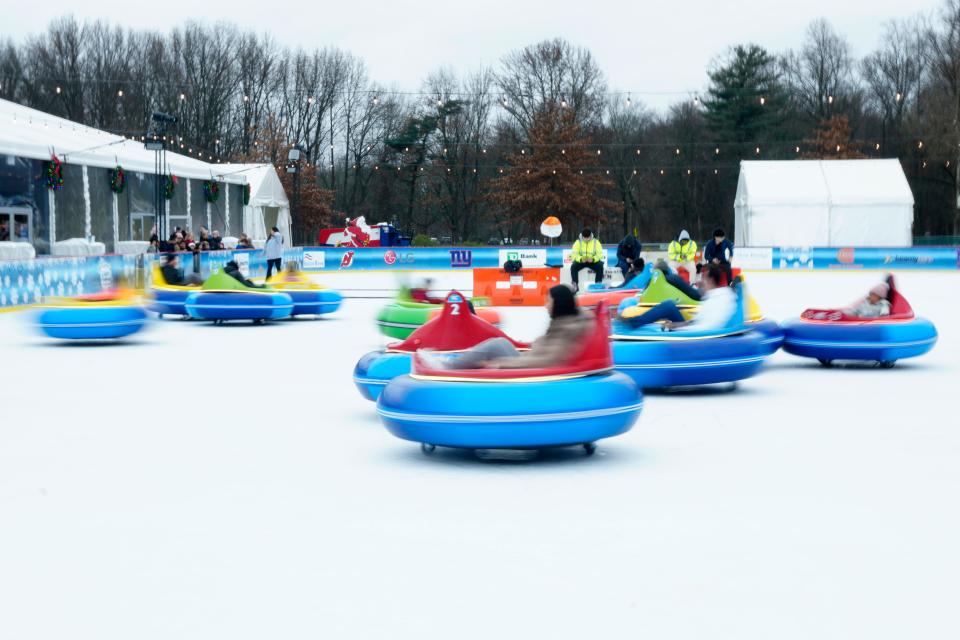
(894, 73)
(552, 73)
(945, 70)
(821, 74)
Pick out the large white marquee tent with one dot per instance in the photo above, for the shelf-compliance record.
(825, 203)
(268, 206)
(86, 208)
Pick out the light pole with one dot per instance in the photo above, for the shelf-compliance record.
(157, 142)
(294, 157)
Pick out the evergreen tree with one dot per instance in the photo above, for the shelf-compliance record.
(746, 101)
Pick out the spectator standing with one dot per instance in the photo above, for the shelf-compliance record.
(273, 251)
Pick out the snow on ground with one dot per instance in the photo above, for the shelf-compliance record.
(229, 482)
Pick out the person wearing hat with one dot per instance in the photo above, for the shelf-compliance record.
(567, 328)
(628, 253)
(682, 252)
(875, 305)
(173, 275)
(720, 253)
(232, 269)
(587, 254)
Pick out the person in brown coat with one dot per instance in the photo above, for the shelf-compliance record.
(567, 327)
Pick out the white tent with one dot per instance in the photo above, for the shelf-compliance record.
(28, 133)
(85, 207)
(268, 205)
(824, 203)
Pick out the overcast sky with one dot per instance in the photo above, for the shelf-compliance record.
(657, 50)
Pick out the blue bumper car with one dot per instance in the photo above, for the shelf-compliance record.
(573, 404)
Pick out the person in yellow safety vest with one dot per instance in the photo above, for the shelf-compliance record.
(587, 254)
(682, 252)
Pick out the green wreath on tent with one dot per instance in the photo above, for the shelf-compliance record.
(169, 186)
(246, 194)
(54, 172)
(211, 191)
(118, 180)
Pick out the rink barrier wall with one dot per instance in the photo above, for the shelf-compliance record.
(29, 281)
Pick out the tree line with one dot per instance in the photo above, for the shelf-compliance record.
(493, 152)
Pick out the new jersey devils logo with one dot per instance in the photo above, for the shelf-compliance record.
(346, 260)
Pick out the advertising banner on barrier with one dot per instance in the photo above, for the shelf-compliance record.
(30, 281)
(529, 257)
(753, 258)
(893, 258)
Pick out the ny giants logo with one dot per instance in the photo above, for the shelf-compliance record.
(346, 260)
(461, 258)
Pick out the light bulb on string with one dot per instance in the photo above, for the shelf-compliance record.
(376, 100)
(920, 145)
(309, 99)
(758, 150)
(716, 151)
(763, 100)
(689, 171)
(829, 99)
(183, 97)
(797, 149)
(898, 97)
(563, 103)
(628, 100)
(120, 93)
(678, 150)
(246, 98)
(58, 90)
(878, 146)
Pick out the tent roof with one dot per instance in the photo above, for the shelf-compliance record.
(823, 182)
(29, 133)
(795, 182)
(867, 182)
(266, 190)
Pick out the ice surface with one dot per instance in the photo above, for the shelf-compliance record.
(229, 482)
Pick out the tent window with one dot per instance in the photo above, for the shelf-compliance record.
(101, 206)
(71, 209)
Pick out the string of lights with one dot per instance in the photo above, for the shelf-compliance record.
(440, 98)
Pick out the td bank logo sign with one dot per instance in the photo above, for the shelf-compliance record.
(529, 257)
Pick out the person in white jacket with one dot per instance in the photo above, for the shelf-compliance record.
(273, 251)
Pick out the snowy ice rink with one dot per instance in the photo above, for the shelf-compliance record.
(229, 482)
